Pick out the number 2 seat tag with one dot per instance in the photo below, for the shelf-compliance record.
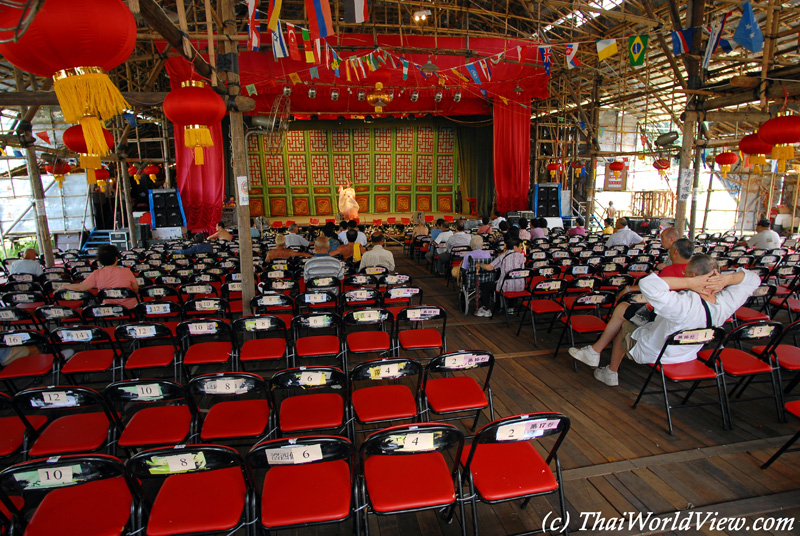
(292, 455)
(465, 360)
(525, 430)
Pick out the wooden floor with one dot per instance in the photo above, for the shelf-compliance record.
(618, 460)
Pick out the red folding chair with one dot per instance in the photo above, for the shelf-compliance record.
(309, 400)
(793, 408)
(148, 346)
(377, 395)
(94, 351)
(261, 338)
(584, 324)
(427, 325)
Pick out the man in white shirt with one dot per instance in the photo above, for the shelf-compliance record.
(294, 239)
(362, 238)
(765, 239)
(28, 264)
(623, 236)
(378, 255)
(675, 311)
(495, 223)
(438, 245)
(459, 238)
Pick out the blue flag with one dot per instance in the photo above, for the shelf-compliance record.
(682, 41)
(748, 34)
(473, 72)
(131, 119)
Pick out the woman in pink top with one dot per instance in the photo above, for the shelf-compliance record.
(579, 228)
(110, 276)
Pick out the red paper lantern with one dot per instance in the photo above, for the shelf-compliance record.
(58, 170)
(577, 165)
(553, 168)
(152, 170)
(725, 161)
(75, 41)
(133, 171)
(752, 146)
(75, 141)
(195, 107)
(662, 165)
(101, 176)
(617, 167)
(782, 132)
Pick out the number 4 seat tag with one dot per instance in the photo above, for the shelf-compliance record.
(525, 430)
(418, 442)
(291, 455)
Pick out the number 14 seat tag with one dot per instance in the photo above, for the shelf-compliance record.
(525, 430)
(465, 360)
(417, 442)
(292, 455)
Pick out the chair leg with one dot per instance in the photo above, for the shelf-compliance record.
(644, 387)
(690, 392)
(792, 384)
(777, 394)
(781, 450)
(560, 339)
(667, 407)
(724, 402)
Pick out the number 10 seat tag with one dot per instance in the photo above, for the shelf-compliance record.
(525, 430)
(50, 476)
(292, 455)
(418, 442)
(148, 390)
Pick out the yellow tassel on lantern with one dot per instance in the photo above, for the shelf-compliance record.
(86, 95)
(725, 169)
(641, 157)
(758, 160)
(137, 178)
(199, 137)
(102, 185)
(91, 178)
(153, 177)
(59, 180)
(782, 153)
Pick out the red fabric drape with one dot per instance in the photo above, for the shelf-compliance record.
(512, 150)
(202, 187)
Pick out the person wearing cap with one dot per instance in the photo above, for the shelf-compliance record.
(765, 238)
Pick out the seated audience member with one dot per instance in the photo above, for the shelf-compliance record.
(378, 255)
(579, 228)
(609, 228)
(280, 251)
(538, 227)
(623, 236)
(511, 259)
(524, 233)
(420, 227)
(221, 234)
(329, 231)
(509, 231)
(679, 256)
(497, 219)
(459, 238)
(477, 252)
(254, 232)
(437, 228)
(439, 244)
(765, 238)
(668, 238)
(293, 238)
(200, 246)
(486, 228)
(322, 264)
(348, 250)
(109, 276)
(712, 294)
(28, 264)
(361, 238)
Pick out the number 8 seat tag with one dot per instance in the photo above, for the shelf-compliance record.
(525, 430)
(178, 463)
(291, 455)
(225, 387)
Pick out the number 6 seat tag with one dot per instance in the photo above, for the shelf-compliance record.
(525, 430)
(418, 442)
(312, 378)
(292, 455)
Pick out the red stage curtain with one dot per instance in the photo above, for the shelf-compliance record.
(512, 150)
(202, 187)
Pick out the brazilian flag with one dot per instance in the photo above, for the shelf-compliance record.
(637, 47)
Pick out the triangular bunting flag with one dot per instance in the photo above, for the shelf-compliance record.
(473, 72)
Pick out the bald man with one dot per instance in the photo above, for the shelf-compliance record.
(28, 264)
(668, 238)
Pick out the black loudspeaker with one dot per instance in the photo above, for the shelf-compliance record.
(547, 201)
(167, 209)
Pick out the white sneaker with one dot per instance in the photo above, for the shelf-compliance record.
(483, 312)
(607, 376)
(586, 355)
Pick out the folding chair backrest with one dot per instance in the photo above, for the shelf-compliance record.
(331, 284)
(299, 451)
(251, 327)
(12, 315)
(161, 311)
(316, 321)
(162, 463)
(595, 299)
(549, 286)
(288, 286)
(522, 427)
(62, 399)
(633, 298)
(375, 271)
(204, 328)
(22, 286)
(65, 297)
(196, 290)
(317, 298)
(370, 316)
(272, 302)
(394, 280)
(22, 278)
(301, 380)
(422, 313)
(619, 281)
(80, 335)
(116, 294)
(360, 280)
(584, 284)
(386, 369)
(414, 439)
(460, 361)
(16, 298)
(762, 330)
(407, 293)
(361, 297)
(104, 313)
(170, 280)
(143, 331)
(580, 270)
(127, 394)
(207, 306)
(24, 337)
(242, 385)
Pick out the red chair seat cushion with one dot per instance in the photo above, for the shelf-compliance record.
(368, 341)
(793, 407)
(150, 356)
(306, 493)
(89, 361)
(207, 352)
(211, 501)
(165, 425)
(792, 303)
(12, 432)
(317, 345)
(258, 349)
(237, 418)
(746, 314)
(512, 469)
(236, 306)
(459, 393)
(83, 432)
(586, 323)
(384, 402)
(510, 294)
(544, 306)
(688, 370)
(311, 412)
(788, 356)
(394, 482)
(740, 363)
(24, 367)
(97, 508)
(420, 338)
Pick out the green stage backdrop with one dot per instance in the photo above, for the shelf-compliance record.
(393, 169)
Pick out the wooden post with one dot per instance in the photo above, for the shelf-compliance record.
(695, 187)
(42, 229)
(592, 174)
(239, 160)
(125, 178)
(708, 199)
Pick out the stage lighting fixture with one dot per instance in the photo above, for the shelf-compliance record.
(422, 15)
(362, 95)
(414, 96)
(312, 93)
(457, 97)
(438, 96)
(334, 95)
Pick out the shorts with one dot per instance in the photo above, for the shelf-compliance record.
(627, 330)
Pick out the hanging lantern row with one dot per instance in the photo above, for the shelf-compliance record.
(725, 161)
(75, 42)
(617, 167)
(662, 165)
(58, 170)
(75, 141)
(752, 146)
(781, 132)
(195, 107)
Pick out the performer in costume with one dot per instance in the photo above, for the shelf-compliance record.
(347, 202)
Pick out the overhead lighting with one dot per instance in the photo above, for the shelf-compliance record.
(429, 67)
(438, 96)
(422, 15)
(312, 93)
(414, 96)
(334, 95)
(457, 97)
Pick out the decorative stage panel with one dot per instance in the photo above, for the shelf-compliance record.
(393, 169)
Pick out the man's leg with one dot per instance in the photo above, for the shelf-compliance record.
(591, 354)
